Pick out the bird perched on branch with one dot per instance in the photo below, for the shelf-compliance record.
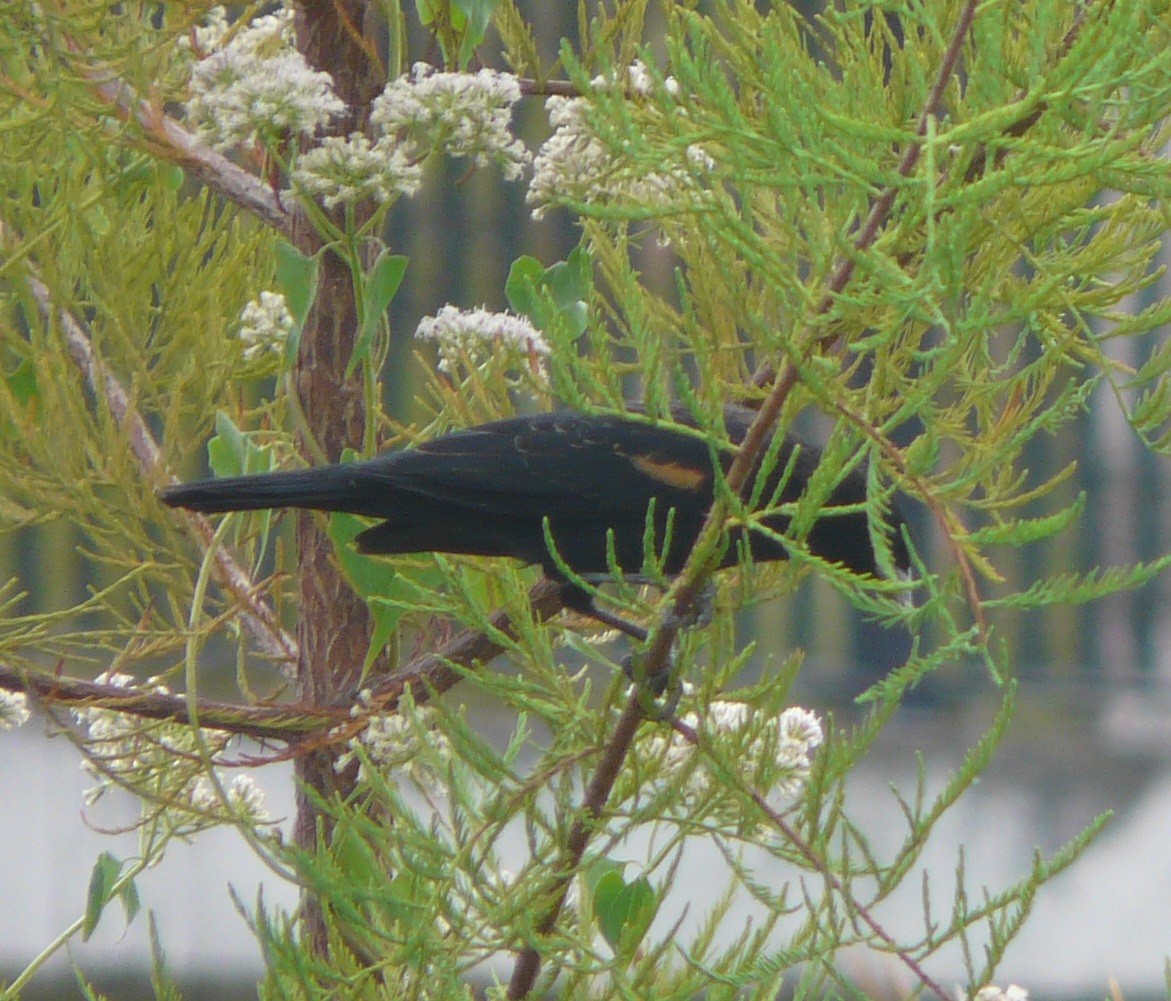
(491, 490)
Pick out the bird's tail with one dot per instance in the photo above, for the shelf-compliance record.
(326, 488)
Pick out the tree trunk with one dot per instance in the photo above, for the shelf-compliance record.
(333, 630)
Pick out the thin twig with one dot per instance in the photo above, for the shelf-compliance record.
(818, 863)
(273, 722)
(1026, 122)
(832, 343)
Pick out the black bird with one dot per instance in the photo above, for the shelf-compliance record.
(486, 491)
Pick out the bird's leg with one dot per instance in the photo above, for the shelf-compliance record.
(700, 612)
(698, 615)
(663, 688)
(585, 603)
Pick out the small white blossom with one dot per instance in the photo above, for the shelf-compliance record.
(247, 798)
(700, 158)
(990, 992)
(800, 728)
(162, 759)
(782, 753)
(113, 737)
(458, 332)
(724, 716)
(208, 36)
(406, 740)
(202, 795)
(13, 710)
(573, 164)
(258, 86)
(639, 80)
(465, 114)
(265, 324)
(350, 170)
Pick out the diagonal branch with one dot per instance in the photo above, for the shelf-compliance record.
(816, 862)
(259, 617)
(685, 591)
(168, 140)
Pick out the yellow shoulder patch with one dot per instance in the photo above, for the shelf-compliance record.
(673, 474)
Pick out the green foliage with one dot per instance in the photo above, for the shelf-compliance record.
(458, 25)
(554, 298)
(232, 452)
(1008, 288)
(378, 289)
(106, 884)
(624, 909)
(390, 588)
(296, 277)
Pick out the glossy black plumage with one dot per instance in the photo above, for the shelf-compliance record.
(485, 491)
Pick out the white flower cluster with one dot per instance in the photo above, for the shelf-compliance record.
(405, 741)
(464, 114)
(470, 333)
(265, 324)
(13, 710)
(783, 752)
(257, 86)
(163, 761)
(245, 799)
(574, 164)
(344, 171)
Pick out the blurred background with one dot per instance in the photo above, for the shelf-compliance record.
(1092, 731)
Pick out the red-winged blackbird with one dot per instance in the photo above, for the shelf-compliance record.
(486, 490)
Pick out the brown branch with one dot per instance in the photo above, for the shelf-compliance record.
(258, 616)
(683, 594)
(766, 373)
(1026, 122)
(832, 343)
(272, 722)
(438, 671)
(547, 88)
(333, 622)
(880, 210)
(528, 960)
(939, 512)
(168, 140)
(305, 726)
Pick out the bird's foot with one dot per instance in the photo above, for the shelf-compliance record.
(616, 621)
(699, 613)
(659, 693)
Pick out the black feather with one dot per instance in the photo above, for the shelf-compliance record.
(486, 491)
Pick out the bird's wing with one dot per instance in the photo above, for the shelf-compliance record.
(557, 465)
